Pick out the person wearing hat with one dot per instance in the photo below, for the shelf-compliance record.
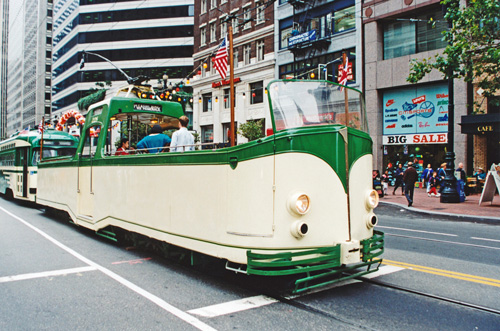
(480, 174)
(410, 176)
(155, 141)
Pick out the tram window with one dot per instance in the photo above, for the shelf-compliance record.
(90, 144)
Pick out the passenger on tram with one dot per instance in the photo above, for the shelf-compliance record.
(182, 139)
(155, 141)
(124, 148)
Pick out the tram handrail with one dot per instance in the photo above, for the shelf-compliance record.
(166, 149)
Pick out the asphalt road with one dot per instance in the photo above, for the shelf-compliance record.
(56, 276)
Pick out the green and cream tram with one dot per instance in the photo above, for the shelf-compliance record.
(19, 157)
(299, 201)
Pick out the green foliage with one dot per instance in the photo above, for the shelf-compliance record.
(251, 130)
(93, 95)
(86, 102)
(473, 51)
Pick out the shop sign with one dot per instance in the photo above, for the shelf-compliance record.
(415, 139)
(225, 82)
(301, 38)
(416, 110)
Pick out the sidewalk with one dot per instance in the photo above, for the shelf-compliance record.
(422, 203)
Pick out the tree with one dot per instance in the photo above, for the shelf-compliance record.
(251, 130)
(473, 51)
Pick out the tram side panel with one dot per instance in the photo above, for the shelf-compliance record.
(57, 186)
(360, 183)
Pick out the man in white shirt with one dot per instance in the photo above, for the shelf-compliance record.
(182, 139)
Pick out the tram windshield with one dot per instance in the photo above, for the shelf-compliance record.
(52, 152)
(307, 103)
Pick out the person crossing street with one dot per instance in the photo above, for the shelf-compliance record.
(410, 176)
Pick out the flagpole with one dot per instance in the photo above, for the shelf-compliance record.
(231, 82)
(346, 96)
(346, 147)
(41, 140)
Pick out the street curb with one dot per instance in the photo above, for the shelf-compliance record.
(450, 216)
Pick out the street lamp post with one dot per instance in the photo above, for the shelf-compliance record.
(165, 79)
(450, 193)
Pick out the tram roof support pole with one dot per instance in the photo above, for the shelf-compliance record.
(231, 82)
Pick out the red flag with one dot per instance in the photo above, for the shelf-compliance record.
(342, 79)
(221, 59)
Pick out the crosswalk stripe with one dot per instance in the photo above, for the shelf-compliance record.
(233, 306)
(46, 274)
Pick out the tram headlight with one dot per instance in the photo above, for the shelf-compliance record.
(371, 220)
(372, 199)
(299, 203)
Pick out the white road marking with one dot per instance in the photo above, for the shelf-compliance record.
(151, 297)
(384, 270)
(233, 306)
(410, 230)
(46, 274)
(486, 239)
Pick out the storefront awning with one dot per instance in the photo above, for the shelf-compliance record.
(480, 124)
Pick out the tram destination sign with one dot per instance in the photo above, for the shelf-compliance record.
(147, 107)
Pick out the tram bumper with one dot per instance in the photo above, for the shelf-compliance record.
(320, 266)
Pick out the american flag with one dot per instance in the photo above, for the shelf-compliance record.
(342, 79)
(40, 126)
(221, 59)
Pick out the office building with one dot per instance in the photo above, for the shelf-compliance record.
(149, 38)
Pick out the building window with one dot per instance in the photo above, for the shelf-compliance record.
(284, 35)
(235, 24)
(203, 6)
(207, 133)
(207, 102)
(223, 29)
(405, 37)
(247, 17)
(344, 19)
(213, 4)
(260, 50)
(213, 32)
(227, 98)
(260, 15)
(235, 57)
(247, 53)
(203, 36)
(226, 129)
(256, 92)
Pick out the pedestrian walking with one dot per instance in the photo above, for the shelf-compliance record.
(426, 175)
(410, 176)
(399, 179)
(441, 175)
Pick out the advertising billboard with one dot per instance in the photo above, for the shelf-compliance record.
(416, 110)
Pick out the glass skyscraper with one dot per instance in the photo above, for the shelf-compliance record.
(148, 38)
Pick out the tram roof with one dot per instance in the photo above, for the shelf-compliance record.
(33, 137)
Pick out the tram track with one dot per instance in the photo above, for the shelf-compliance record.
(294, 302)
(432, 296)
